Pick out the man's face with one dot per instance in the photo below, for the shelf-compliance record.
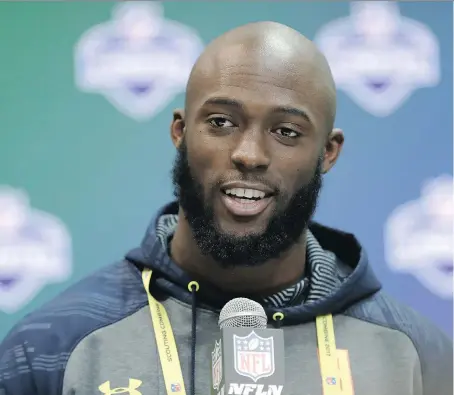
(248, 170)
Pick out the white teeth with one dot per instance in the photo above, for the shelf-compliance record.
(240, 192)
(247, 193)
(257, 194)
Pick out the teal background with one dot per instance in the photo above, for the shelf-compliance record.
(104, 174)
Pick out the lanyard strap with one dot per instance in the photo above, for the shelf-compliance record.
(170, 361)
(327, 351)
(165, 341)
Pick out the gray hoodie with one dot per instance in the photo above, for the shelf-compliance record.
(97, 337)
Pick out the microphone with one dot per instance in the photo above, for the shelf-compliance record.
(248, 359)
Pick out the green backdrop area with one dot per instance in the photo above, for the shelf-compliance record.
(103, 173)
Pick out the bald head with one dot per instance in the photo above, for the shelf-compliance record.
(266, 50)
(259, 116)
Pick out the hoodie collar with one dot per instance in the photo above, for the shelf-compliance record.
(349, 278)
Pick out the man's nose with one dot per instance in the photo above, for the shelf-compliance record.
(251, 152)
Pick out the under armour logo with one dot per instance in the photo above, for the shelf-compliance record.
(131, 389)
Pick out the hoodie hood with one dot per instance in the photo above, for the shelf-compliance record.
(356, 280)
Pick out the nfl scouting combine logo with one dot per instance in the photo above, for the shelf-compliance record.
(35, 249)
(254, 356)
(419, 237)
(378, 57)
(139, 61)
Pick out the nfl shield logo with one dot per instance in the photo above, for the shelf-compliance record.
(216, 360)
(254, 356)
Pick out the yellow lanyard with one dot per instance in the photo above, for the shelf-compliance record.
(170, 362)
(165, 341)
(327, 351)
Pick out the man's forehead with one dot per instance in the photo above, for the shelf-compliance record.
(270, 62)
(252, 85)
(283, 66)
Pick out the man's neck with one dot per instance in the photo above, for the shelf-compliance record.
(264, 280)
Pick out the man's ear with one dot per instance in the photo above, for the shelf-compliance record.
(177, 127)
(333, 148)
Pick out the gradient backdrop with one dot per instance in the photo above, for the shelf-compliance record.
(81, 172)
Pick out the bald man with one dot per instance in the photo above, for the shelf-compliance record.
(253, 143)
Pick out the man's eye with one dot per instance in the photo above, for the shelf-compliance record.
(220, 122)
(285, 132)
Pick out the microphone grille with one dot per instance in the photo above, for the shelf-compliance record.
(243, 312)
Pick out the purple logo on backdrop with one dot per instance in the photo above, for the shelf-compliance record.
(139, 61)
(419, 237)
(378, 57)
(35, 249)
(254, 356)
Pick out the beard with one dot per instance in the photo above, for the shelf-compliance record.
(289, 219)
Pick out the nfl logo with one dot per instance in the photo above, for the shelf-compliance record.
(216, 359)
(379, 57)
(138, 60)
(35, 250)
(331, 381)
(175, 387)
(425, 224)
(254, 356)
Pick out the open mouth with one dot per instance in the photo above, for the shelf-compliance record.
(245, 201)
(245, 195)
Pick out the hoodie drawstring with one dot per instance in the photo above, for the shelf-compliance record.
(193, 287)
(278, 318)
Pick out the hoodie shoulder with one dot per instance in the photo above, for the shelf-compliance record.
(434, 348)
(34, 354)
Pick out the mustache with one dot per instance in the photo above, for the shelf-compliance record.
(182, 159)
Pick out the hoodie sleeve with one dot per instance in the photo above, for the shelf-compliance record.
(435, 351)
(16, 375)
(32, 360)
(433, 347)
